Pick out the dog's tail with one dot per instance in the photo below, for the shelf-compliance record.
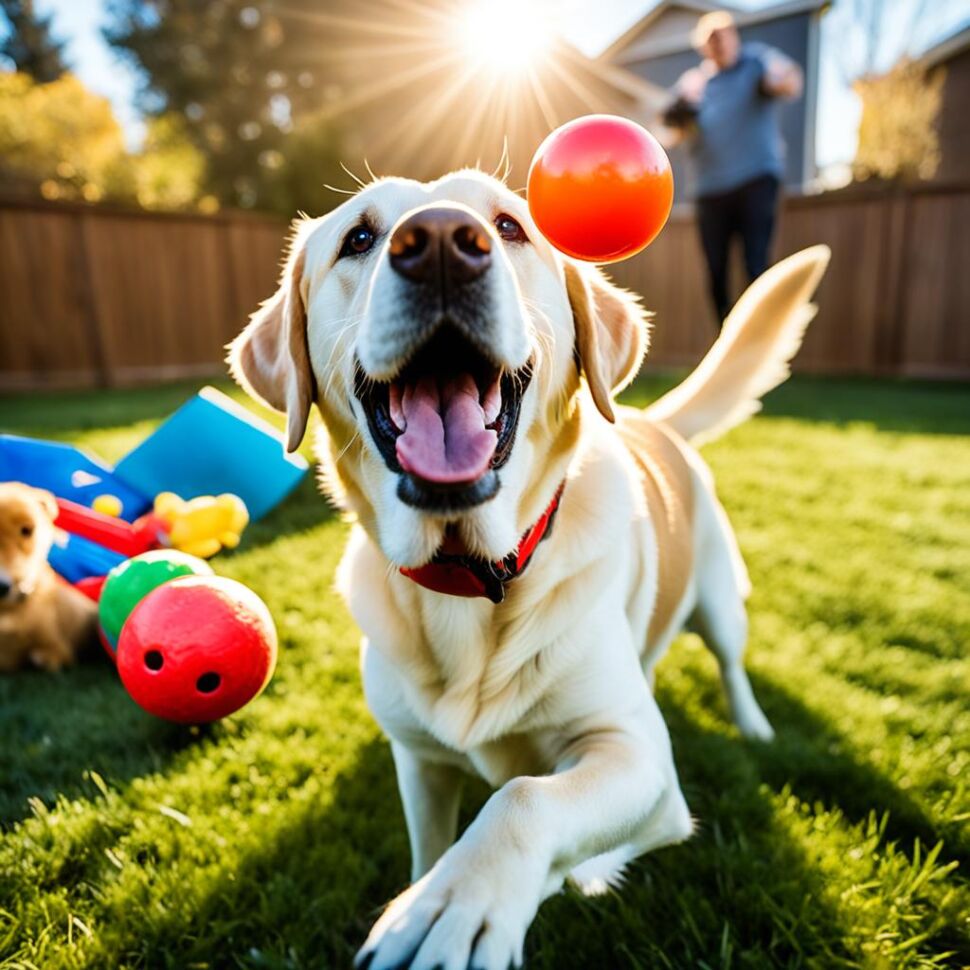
(750, 357)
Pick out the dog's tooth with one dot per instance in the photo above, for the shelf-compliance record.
(396, 407)
(492, 401)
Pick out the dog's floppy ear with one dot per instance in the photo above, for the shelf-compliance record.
(271, 357)
(611, 332)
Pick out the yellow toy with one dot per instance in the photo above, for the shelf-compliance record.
(107, 505)
(202, 526)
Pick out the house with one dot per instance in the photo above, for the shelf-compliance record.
(657, 49)
(953, 55)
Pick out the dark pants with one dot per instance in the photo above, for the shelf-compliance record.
(748, 210)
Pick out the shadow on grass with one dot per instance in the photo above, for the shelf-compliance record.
(742, 891)
(309, 897)
(47, 719)
(812, 758)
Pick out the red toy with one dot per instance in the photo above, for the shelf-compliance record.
(109, 531)
(196, 649)
(600, 188)
(132, 580)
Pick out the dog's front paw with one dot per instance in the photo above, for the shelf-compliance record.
(51, 658)
(458, 917)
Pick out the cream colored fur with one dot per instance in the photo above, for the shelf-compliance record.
(546, 695)
(760, 336)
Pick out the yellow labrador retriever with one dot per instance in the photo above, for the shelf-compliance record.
(524, 549)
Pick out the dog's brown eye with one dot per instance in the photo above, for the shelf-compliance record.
(26, 531)
(509, 229)
(357, 241)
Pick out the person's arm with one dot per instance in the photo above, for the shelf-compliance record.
(679, 115)
(782, 77)
(691, 85)
(670, 137)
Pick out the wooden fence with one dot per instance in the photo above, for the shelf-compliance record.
(97, 297)
(895, 299)
(92, 296)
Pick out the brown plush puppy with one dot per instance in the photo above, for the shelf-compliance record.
(43, 620)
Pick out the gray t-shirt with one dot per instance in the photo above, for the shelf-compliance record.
(737, 137)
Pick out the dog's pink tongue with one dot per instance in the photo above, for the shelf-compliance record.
(445, 438)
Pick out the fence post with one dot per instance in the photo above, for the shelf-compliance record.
(894, 270)
(88, 302)
(229, 268)
(899, 268)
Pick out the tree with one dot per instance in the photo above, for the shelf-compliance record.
(898, 139)
(30, 43)
(63, 140)
(236, 72)
(901, 100)
(168, 171)
(59, 136)
(296, 177)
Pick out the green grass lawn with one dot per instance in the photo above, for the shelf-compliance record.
(272, 840)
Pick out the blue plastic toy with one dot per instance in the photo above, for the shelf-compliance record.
(68, 472)
(212, 445)
(76, 558)
(209, 446)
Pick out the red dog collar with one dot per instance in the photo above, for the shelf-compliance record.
(471, 576)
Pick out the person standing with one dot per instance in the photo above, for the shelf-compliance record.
(726, 110)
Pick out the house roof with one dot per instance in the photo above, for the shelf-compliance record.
(956, 42)
(636, 44)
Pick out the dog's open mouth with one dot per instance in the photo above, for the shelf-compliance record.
(446, 423)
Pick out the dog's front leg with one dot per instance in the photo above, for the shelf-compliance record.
(615, 788)
(430, 794)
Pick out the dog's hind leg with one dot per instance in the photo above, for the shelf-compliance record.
(720, 617)
(603, 872)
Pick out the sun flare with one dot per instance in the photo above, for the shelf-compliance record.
(504, 37)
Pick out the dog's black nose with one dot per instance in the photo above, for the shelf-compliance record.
(440, 243)
(5, 587)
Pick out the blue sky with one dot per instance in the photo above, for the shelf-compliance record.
(78, 21)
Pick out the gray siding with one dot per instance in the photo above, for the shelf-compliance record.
(789, 35)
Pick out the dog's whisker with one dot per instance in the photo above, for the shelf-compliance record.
(343, 451)
(333, 373)
(336, 348)
(339, 191)
(354, 176)
(504, 163)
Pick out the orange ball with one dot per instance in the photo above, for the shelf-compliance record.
(600, 188)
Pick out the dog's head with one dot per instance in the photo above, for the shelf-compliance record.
(26, 533)
(442, 338)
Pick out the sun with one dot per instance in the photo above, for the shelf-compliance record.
(506, 38)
